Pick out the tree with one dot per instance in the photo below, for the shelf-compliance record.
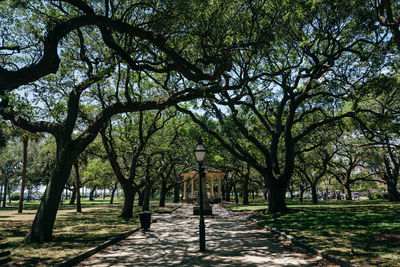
(131, 35)
(23, 178)
(386, 14)
(313, 165)
(349, 165)
(380, 128)
(305, 79)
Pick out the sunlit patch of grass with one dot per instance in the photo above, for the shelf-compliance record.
(364, 232)
(73, 232)
(251, 207)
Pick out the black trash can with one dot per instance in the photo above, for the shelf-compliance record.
(145, 219)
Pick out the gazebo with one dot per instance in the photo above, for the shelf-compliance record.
(211, 175)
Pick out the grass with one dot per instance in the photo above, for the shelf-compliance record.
(73, 232)
(363, 232)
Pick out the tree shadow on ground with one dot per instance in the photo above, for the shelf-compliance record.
(348, 231)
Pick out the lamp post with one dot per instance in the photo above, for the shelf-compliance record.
(200, 153)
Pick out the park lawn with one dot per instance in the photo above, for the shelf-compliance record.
(73, 232)
(363, 232)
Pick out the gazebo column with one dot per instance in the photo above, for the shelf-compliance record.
(212, 187)
(185, 190)
(219, 187)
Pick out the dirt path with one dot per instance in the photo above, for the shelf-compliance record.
(173, 241)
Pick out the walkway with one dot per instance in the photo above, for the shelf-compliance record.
(173, 241)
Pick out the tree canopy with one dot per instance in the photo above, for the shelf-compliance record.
(286, 88)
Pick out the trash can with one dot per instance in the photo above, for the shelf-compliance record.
(145, 219)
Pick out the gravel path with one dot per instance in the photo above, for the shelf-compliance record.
(231, 241)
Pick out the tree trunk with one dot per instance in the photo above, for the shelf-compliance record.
(347, 192)
(246, 186)
(5, 191)
(236, 194)
(29, 197)
(1, 193)
(228, 194)
(9, 194)
(91, 194)
(146, 198)
(25, 161)
(141, 197)
(301, 193)
(314, 193)
(77, 187)
(73, 197)
(113, 192)
(394, 194)
(163, 193)
(129, 197)
(42, 226)
(338, 196)
(176, 193)
(276, 198)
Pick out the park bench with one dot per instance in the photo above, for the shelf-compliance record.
(4, 254)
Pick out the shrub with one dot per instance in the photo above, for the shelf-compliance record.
(15, 197)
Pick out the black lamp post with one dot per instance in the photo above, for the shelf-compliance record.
(200, 153)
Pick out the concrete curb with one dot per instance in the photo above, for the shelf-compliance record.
(86, 254)
(294, 241)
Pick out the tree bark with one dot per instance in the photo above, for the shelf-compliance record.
(113, 192)
(176, 193)
(348, 192)
(25, 161)
(1, 194)
(163, 193)
(276, 197)
(42, 226)
(246, 186)
(141, 197)
(228, 194)
(162, 199)
(146, 198)
(73, 197)
(236, 194)
(9, 194)
(77, 187)
(394, 194)
(129, 197)
(301, 193)
(91, 194)
(314, 193)
(5, 191)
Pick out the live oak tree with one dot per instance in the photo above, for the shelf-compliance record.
(174, 146)
(61, 38)
(387, 15)
(380, 128)
(349, 165)
(304, 80)
(312, 165)
(130, 136)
